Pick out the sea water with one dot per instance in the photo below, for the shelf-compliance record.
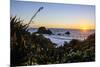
(59, 37)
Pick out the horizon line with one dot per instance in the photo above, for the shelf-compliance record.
(62, 28)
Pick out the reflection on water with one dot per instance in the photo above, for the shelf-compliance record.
(77, 34)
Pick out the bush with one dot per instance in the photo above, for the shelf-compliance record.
(32, 49)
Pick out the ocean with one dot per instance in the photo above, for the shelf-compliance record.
(59, 35)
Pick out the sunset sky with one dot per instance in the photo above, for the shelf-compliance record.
(55, 15)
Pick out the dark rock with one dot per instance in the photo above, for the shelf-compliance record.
(43, 30)
(58, 34)
(68, 33)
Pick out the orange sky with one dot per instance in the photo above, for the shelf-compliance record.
(80, 24)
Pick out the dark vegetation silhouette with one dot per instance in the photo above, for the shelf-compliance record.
(33, 49)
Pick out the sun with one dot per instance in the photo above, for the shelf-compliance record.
(84, 27)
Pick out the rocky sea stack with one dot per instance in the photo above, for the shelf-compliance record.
(68, 33)
(43, 30)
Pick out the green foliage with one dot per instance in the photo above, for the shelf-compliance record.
(33, 49)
